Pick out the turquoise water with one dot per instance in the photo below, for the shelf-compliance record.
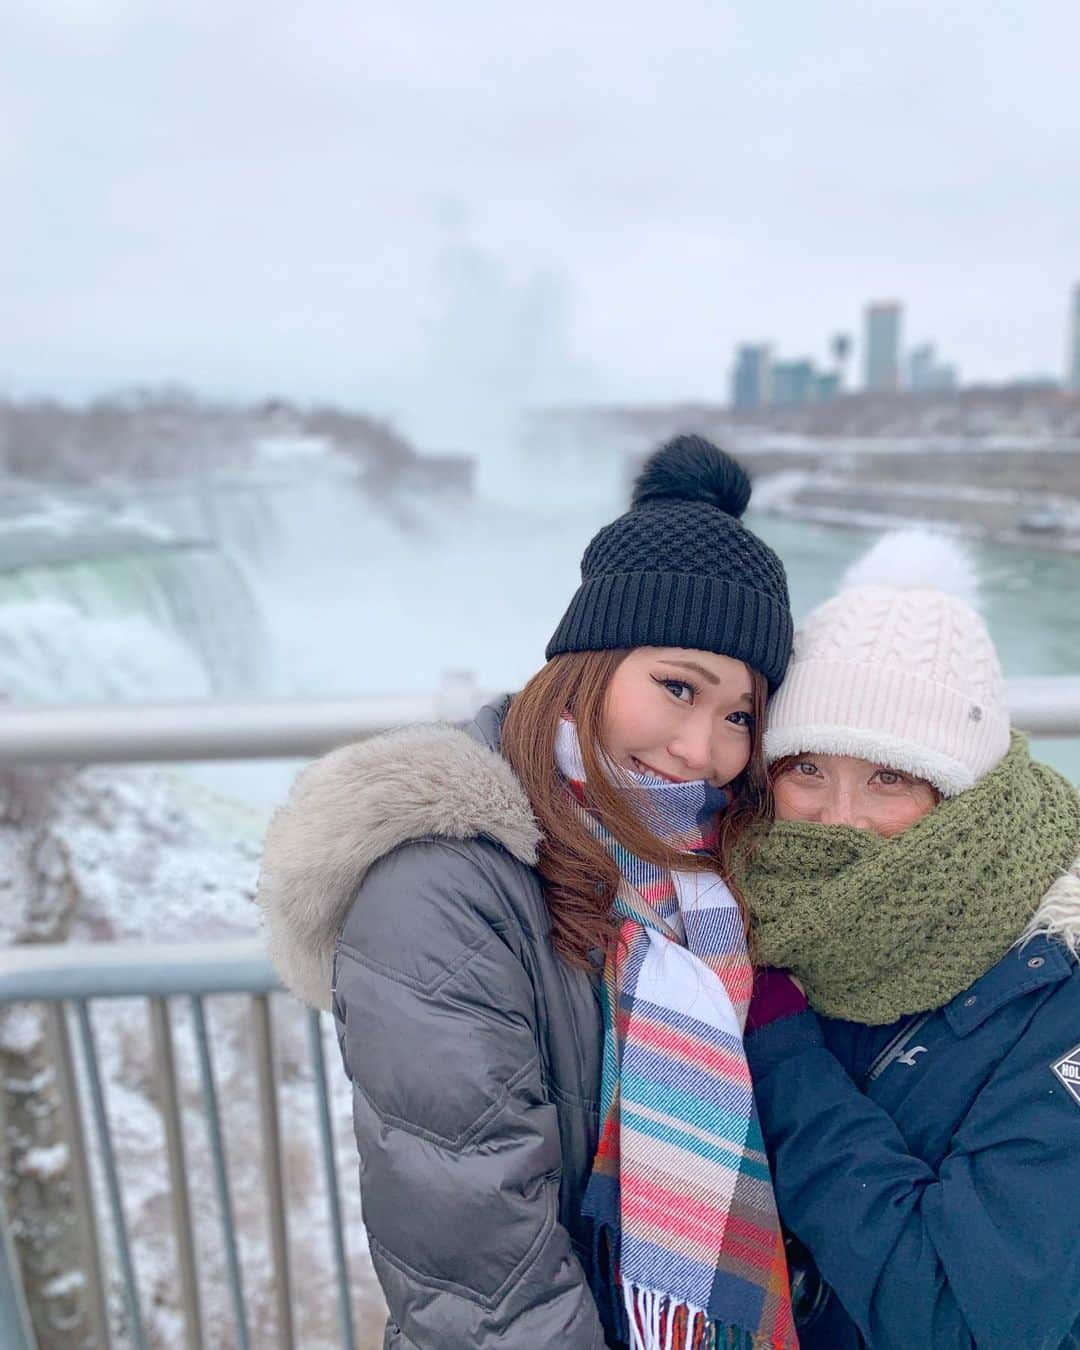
(311, 587)
(1030, 598)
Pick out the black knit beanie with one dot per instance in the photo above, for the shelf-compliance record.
(681, 570)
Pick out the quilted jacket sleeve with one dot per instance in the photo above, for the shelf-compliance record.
(459, 1148)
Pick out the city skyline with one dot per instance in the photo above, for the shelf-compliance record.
(759, 377)
(388, 206)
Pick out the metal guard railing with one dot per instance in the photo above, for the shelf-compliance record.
(281, 728)
(66, 979)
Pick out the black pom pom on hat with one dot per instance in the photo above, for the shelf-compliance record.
(679, 569)
(692, 469)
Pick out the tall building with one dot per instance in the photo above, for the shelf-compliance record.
(840, 345)
(1072, 373)
(925, 374)
(921, 368)
(883, 346)
(750, 380)
(793, 382)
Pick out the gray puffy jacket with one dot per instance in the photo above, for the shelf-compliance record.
(399, 887)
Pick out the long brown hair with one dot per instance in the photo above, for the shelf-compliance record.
(580, 876)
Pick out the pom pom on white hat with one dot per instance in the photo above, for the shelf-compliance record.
(898, 668)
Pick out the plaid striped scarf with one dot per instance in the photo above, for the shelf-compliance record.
(680, 1182)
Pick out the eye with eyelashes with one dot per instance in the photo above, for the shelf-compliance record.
(806, 768)
(684, 691)
(675, 688)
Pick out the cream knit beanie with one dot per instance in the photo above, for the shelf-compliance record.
(898, 668)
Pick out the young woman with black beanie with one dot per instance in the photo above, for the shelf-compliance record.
(538, 972)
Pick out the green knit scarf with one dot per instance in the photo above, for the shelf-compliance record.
(878, 928)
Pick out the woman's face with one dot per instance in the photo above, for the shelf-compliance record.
(842, 790)
(679, 714)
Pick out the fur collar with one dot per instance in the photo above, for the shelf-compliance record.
(1058, 915)
(352, 807)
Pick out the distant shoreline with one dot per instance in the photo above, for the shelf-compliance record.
(1001, 465)
(1066, 540)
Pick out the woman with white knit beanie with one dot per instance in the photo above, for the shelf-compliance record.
(918, 1080)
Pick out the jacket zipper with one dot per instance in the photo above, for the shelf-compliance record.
(895, 1047)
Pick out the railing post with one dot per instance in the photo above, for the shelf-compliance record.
(59, 1041)
(161, 1033)
(112, 1175)
(221, 1171)
(15, 1329)
(274, 1172)
(333, 1196)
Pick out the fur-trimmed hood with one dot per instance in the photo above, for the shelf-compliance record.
(1058, 914)
(352, 807)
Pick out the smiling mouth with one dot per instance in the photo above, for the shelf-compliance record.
(641, 767)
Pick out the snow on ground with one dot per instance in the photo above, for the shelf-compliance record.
(155, 858)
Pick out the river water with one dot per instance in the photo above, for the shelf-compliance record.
(296, 582)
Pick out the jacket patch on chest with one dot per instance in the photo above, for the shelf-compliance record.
(1067, 1069)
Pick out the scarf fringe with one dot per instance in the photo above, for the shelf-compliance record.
(656, 1323)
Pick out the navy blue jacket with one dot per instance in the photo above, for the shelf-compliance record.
(932, 1168)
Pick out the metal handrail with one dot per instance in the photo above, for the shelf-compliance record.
(49, 973)
(287, 728)
(1045, 705)
(275, 728)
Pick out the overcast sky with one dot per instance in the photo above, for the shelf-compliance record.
(382, 202)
